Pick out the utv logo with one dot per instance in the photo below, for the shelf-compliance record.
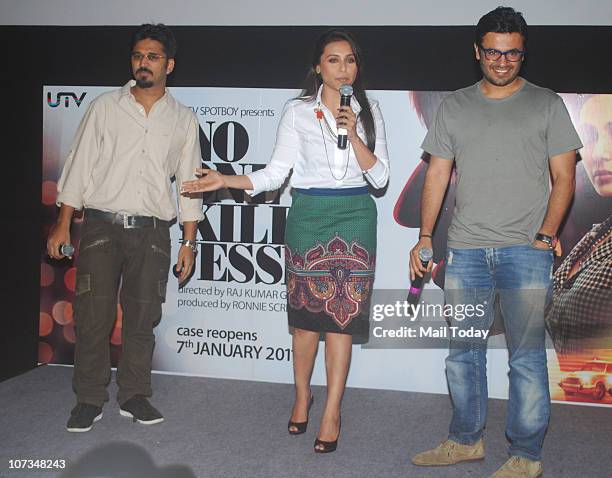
(66, 96)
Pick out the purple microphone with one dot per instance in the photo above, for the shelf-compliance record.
(425, 255)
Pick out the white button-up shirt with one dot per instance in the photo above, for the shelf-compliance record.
(123, 160)
(300, 145)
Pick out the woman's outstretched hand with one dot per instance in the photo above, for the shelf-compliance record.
(210, 180)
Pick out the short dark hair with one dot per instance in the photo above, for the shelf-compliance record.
(158, 32)
(502, 20)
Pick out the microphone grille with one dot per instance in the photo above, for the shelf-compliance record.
(67, 249)
(346, 90)
(425, 254)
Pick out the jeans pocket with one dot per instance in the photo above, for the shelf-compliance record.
(449, 256)
(547, 249)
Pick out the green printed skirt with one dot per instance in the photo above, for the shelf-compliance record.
(330, 253)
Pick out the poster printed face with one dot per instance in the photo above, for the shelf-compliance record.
(595, 128)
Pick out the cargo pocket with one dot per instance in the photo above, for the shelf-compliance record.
(162, 286)
(83, 284)
(82, 304)
(161, 257)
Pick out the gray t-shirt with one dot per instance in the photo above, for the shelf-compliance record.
(501, 149)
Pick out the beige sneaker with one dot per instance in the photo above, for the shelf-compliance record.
(450, 452)
(519, 467)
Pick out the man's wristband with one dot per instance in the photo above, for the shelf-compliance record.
(424, 235)
(191, 244)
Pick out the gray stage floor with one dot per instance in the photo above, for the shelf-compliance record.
(225, 428)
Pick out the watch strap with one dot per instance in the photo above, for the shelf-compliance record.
(191, 244)
(546, 239)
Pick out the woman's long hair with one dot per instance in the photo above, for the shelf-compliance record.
(313, 80)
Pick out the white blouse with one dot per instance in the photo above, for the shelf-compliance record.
(300, 145)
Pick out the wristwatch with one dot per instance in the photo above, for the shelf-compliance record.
(550, 240)
(192, 244)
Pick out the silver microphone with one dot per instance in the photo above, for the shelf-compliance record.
(66, 250)
(346, 91)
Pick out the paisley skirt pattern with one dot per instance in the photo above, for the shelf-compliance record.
(330, 255)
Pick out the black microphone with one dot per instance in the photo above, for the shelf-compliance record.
(425, 255)
(346, 91)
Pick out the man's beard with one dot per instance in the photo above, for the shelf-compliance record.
(142, 82)
(495, 80)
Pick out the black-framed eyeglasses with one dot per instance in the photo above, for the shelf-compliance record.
(152, 57)
(492, 54)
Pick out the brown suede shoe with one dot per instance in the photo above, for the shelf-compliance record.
(450, 452)
(519, 467)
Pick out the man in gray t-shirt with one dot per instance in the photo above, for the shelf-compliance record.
(501, 148)
(509, 140)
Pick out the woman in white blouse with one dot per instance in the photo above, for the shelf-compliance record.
(330, 238)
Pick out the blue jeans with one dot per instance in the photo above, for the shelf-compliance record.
(519, 278)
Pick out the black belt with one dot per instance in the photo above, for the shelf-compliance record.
(128, 222)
